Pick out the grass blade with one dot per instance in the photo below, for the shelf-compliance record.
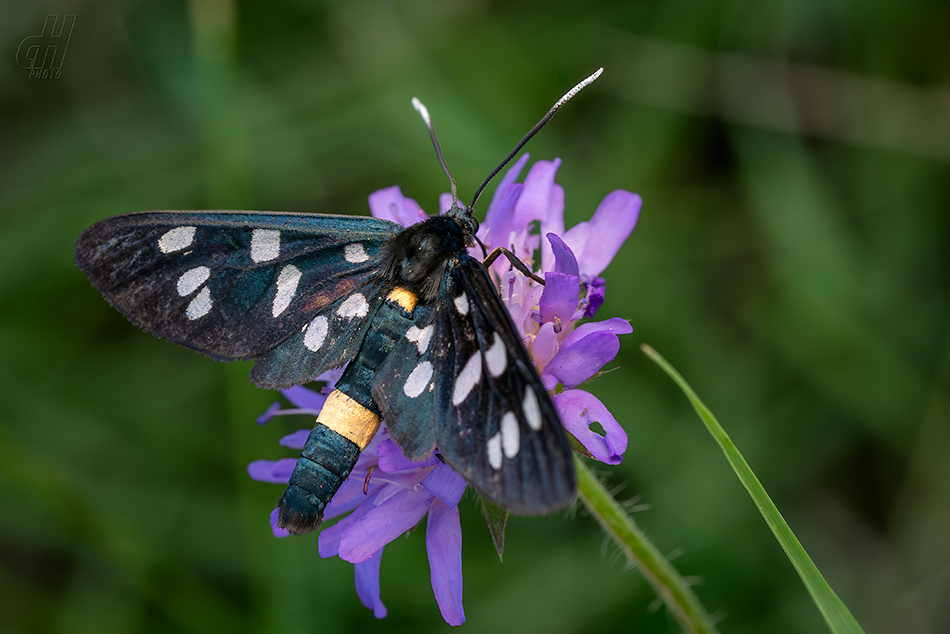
(834, 611)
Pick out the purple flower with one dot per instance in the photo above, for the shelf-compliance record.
(571, 263)
(387, 494)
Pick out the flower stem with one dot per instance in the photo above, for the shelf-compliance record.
(671, 587)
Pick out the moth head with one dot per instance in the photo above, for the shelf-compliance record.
(463, 216)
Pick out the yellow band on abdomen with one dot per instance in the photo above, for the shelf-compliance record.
(404, 298)
(349, 419)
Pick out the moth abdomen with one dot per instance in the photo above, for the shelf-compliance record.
(346, 424)
(344, 429)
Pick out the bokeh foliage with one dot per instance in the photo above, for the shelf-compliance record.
(791, 261)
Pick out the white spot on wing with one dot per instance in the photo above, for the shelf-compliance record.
(510, 439)
(531, 410)
(494, 451)
(191, 279)
(495, 357)
(354, 306)
(420, 337)
(418, 380)
(461, 304)
(355, 253)
(200, 305)
(176, 239)
(316, 333)
(467, 379)
(286, 287)
(265, 245)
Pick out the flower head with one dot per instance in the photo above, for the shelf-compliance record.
(571, 263)
(386, 494)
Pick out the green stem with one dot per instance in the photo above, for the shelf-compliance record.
(640, 551)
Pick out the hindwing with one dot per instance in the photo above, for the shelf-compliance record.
(404, 384)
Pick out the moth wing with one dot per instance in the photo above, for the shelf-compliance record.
(236, 284)
(404, 385)
(494, 422)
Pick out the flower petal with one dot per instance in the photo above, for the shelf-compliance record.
(366, 575)
(400, 484)
(382, 524)
(393, 460)
(269, 413)
(615, 325)
(277, 530)
(444, 547)
(596, 289)
(273, 471)
(572, 365)
(500, 232)
(355, 490)
(328, 542)
(536, 199)
(544, 346)
(445, 484)
(498, 203)
(578, 410)
(349, 496)
(295, 440)
(596, 244)
(305, 398)
(330, 379)
(513, 289)
(564, 260)
(559, 298)
(553, 223)
(390, 204)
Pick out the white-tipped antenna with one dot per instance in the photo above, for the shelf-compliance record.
(424, 113)
(540, 124)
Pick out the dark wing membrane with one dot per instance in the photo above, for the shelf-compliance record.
(496, 424)
(327, 341)
(404, 385)
(234, 285)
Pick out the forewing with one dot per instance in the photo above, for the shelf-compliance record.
(235, 285)
(495, 424)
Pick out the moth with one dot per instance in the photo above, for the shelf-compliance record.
(429, 346)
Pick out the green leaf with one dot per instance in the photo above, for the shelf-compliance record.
(497, 519)
(834, 611)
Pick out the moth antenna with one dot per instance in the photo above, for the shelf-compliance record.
(540, 124)
(424, 113)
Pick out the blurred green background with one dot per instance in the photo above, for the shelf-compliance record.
(790, 260)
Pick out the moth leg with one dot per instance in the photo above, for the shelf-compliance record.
(515, 262)
(482, 245)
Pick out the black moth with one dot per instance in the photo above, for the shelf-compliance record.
(430, 346)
